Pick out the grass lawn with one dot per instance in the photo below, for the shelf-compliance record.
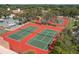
(71, 24)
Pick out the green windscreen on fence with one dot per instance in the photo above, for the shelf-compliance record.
(22, 33)
(43, 39)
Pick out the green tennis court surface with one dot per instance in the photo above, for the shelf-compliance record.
(23, 33)
(44, 21)
(60, 21)
(43, 39)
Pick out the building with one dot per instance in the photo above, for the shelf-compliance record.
(1, 20)
(8, 22)
(17, 11)
(75, 33)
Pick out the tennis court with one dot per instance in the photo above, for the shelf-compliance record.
(22, 33)
(43, 39)
(60, 21)
(44, 21)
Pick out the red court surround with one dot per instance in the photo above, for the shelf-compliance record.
(22, 46)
